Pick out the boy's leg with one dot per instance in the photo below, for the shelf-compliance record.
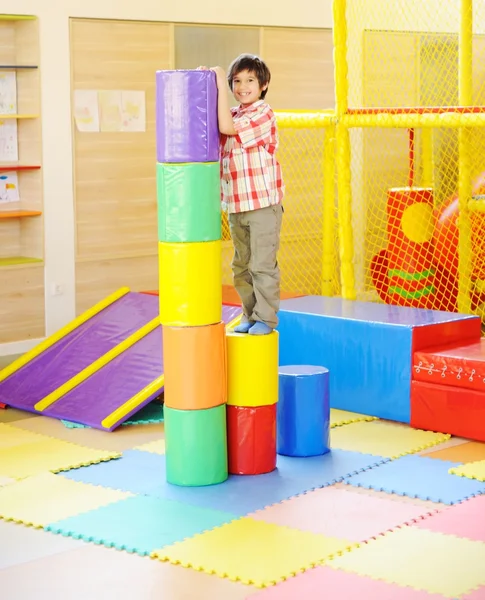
(240, 265)
(265, 226)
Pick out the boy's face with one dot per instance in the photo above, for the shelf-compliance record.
(246, 88)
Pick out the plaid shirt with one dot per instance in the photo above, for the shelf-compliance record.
(250, 174)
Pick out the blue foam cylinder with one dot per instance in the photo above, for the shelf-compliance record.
(303, 411)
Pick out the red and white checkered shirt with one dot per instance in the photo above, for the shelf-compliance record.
(251, 176)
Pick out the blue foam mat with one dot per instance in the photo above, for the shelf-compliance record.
(144, 473)
(419, 477)
(140, 524)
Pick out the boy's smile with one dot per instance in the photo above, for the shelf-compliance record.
(246, 88)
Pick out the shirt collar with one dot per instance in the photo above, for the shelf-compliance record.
(253, 106)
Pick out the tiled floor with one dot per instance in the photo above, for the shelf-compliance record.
(338, 511)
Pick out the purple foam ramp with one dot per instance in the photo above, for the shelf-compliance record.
(118, 382)
(113, 386)
(76, 351)
(186, 116)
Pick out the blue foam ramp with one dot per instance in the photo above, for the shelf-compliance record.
(140, 524)
(366, 346)
(419, 477)
(144, 473)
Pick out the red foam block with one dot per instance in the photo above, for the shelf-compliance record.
(448, 409)
(2, 405)
(251, 439)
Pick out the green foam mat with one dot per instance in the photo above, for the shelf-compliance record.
(151, 413)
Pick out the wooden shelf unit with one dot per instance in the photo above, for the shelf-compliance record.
(21, 223)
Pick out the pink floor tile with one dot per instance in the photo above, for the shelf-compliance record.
(340, 513)
(478, 594)
(464, 520)
(329, 583)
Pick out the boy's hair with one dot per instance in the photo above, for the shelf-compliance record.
(251, 63)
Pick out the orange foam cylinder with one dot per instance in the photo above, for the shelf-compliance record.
(195, 366)
(410, 252)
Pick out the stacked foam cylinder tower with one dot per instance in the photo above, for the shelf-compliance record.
(190, 277)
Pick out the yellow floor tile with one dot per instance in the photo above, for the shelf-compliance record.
(253, 552)
(11, 436)
(421, 559)
(157, 447)
(48, 455)
(383, 439)
(47, 498)
(473, 470)
(344, 417)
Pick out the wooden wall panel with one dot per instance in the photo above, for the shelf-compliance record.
(115, 186)
(22, 303)
(301, 63)
(96, 280)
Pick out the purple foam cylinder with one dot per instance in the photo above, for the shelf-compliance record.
(77, 350)
(186, 116)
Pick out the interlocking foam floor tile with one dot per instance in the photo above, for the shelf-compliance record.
(337, 512)
(345, 417)
(144, 473)
(48, 455)
(11, 436)
(383, 439)
(324, 582)
(466, 520)
(11, 415)
(5, 480)
(94, 572)
(123, 438)
(473, 470)
(44, 498)
(421, 559)
(462, 453)
(141, 524)
(419, 477)
(26, 544)
(253, 552)
(157, 447)
(478, 594)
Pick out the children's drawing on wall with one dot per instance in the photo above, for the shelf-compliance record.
(133, 106)
(110, 110)
(8, 141)
(9, 187)
(86, 110)
(8, 93)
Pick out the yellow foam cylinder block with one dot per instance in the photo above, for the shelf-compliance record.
(190, 284)
(252, 369)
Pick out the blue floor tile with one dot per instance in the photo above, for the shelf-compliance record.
(140, 524)
(419, 477)
(144, 473)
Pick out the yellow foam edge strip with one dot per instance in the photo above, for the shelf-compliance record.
(133, 402)
(234, 322)
(98, 364)
(66, 330)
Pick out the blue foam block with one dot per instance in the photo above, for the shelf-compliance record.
(419, 477)
(140, 524)
(144, 473)
(303, 411)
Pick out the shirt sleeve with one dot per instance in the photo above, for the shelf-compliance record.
(255, 130)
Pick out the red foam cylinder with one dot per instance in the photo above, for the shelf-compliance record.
(251, 439)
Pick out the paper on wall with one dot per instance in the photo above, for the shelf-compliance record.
(8, 93)
(9, 187)
(86, 110)
(110, 110)
(8, 141)
(133, 107)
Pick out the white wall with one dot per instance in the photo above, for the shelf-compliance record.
(56, 113)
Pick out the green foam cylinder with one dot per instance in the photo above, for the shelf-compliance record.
(189, 202)
(196, 446)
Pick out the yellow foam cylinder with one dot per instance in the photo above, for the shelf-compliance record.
(190, 285)
(252, 369)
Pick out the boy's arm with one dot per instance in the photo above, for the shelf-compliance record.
(226, 124)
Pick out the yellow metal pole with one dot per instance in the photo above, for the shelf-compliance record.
(464, 158)
(328, 245)
(343, 157)
(427, 157)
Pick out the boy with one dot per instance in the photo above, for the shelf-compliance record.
(252, 190)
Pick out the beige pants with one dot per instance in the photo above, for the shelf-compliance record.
(256, 238)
